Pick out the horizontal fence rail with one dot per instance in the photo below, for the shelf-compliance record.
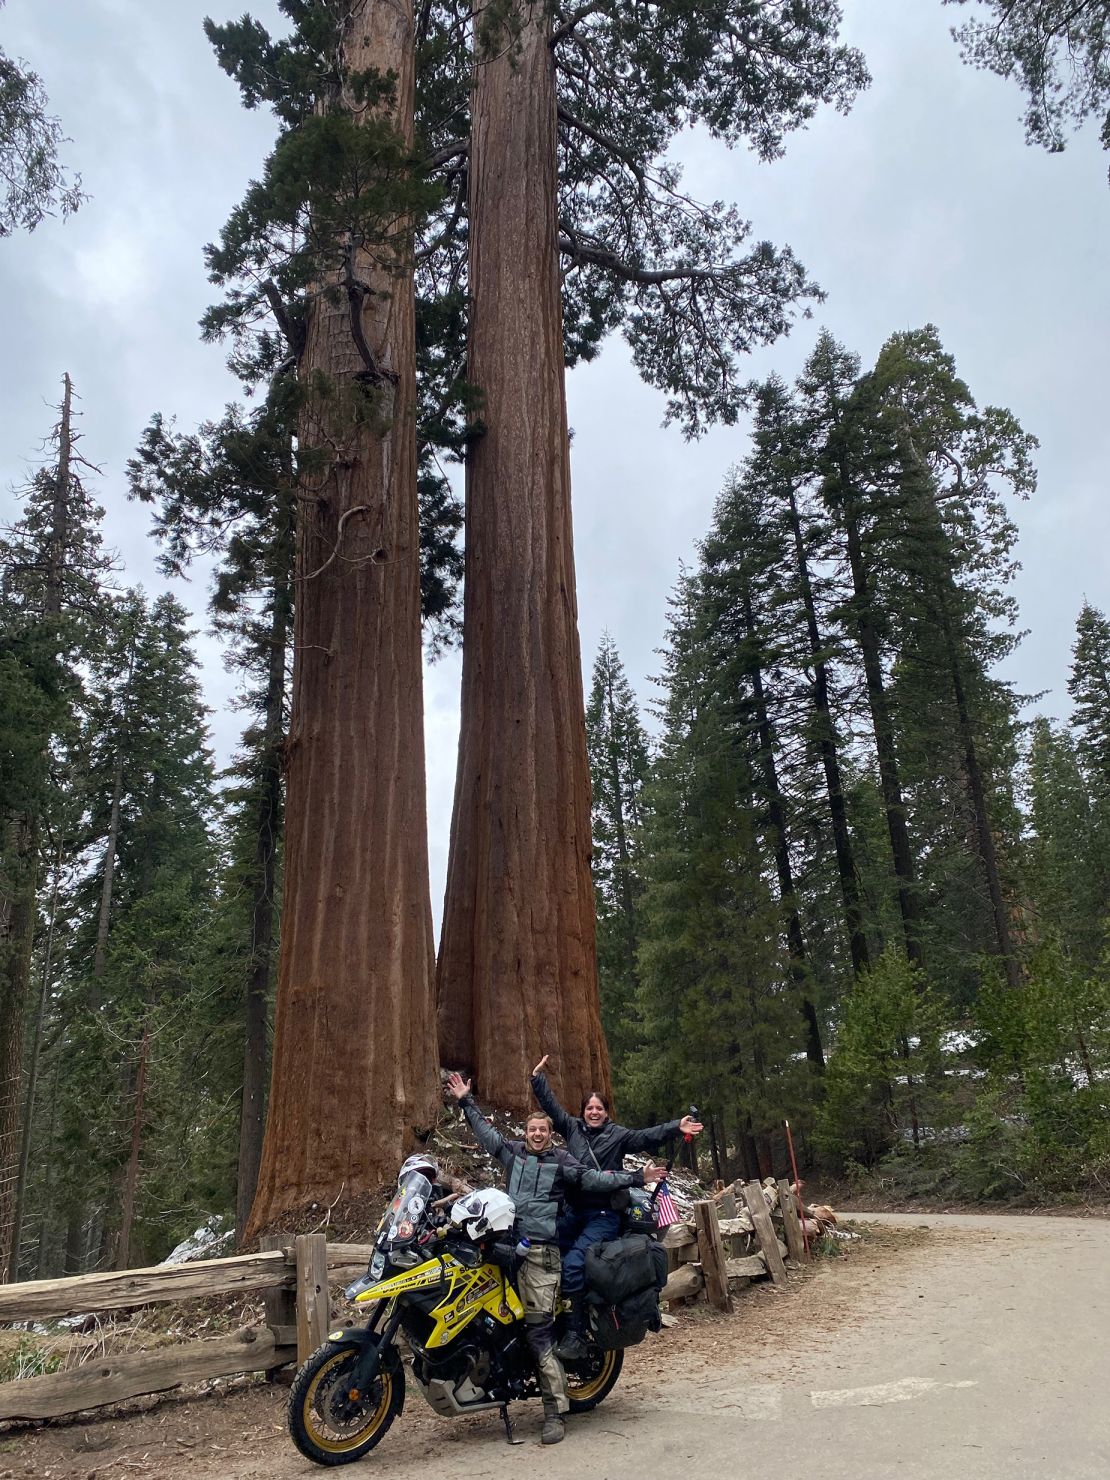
(292, 1278)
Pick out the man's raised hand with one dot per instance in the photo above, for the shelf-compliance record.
(457, 1085)
(541, 1065)
(689, 1126)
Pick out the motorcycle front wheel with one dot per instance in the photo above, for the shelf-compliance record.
(332, 1423)
(593, 1378)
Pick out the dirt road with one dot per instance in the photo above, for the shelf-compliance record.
(980, 1349)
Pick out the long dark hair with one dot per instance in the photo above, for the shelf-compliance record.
(594, 1094)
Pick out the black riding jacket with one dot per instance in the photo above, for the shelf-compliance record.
(605, 1147)
(538, 1182)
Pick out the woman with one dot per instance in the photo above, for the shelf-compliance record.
(596, 1141)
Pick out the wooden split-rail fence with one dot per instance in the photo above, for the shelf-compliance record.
(292, 1279)
(725, 1246)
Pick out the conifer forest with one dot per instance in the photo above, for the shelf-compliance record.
(815, 848)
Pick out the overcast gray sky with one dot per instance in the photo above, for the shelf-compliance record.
(923, 205)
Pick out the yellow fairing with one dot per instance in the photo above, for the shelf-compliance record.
(466, 1292)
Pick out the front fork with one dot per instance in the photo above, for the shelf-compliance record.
(369, 1364)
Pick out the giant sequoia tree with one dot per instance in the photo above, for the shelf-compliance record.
(324, 241)
(573, 111)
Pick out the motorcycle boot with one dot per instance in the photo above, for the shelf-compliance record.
(554, 1428)
(572, 1348)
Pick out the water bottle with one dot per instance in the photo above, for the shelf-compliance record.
(522, 1247)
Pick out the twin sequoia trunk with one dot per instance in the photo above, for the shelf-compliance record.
(354, 1062)
(518, 961)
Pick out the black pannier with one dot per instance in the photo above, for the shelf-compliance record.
(623, 1280)
(625, 1324)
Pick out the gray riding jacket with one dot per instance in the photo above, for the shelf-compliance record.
(537, 1182)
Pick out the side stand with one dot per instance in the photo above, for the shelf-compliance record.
(509, 1435)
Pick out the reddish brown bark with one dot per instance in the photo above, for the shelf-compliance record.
(518, 961)
(354, 1062)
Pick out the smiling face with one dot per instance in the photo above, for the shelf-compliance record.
(537, 1133)
(594, 1112)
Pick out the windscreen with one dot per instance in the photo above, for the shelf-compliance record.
(404, 1214)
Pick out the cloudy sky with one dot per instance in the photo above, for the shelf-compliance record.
(923, 205)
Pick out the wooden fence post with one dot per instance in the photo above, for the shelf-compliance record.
(313, 1304)
(279, 1304)
(712, 1252)
(765, 1231)
(791, 1228)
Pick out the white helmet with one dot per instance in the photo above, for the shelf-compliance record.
(487, 1211)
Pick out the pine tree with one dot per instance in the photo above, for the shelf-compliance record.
(720, 1014)
(783, 461)
(229, 491)
(1089, 687)
(619, 764)
(838, 414)
(1067, 877)
(741, 602)
(143, 905)
(52, 568)
(946, 559)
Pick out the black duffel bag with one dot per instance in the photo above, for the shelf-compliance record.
(622, 1284)
(620, 1267)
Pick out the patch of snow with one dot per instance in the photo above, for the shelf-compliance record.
(213, 1238)
(957, 1041)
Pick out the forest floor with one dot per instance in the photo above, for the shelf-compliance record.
(935, 1346)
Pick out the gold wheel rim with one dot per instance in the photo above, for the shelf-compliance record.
(352, 1441)
(584, 1391)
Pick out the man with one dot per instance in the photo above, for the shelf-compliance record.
(537, 1175)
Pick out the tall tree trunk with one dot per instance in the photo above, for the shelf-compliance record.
(130, 1185)
(18, 909)
(890, 781)
(263, 905)
(624, 858)
(354, 1064)
(16, 941)
(715, 1148)
(107, 882)
(800, 970)
(988, 855)
(830, 760)
(518, 957)
(75, 1255)
(43, 1247)
(32, 1077)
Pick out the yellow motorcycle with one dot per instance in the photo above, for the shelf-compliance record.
(447, 1293)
